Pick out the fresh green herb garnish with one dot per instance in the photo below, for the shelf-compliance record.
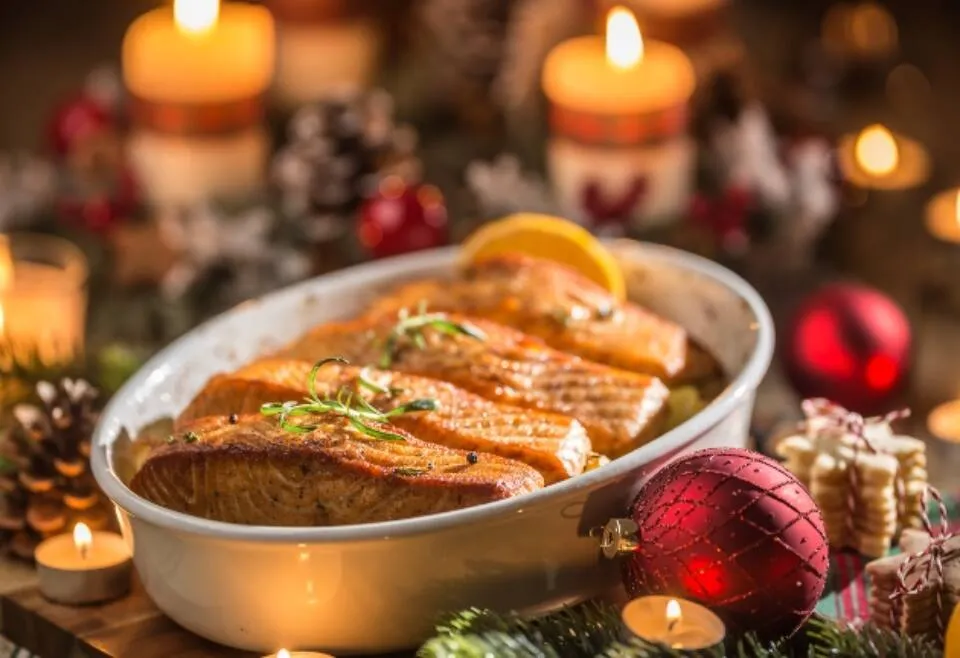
(349, 404)
(364, 381)
(411, 327)
(191, 437)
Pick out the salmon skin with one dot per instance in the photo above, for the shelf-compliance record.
(557, 304)
(620, 410)
(253, 472)
(555, 445)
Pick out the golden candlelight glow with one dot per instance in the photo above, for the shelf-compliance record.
(876, 151)
(196, 16)
(944, 421)
(624, 43)
(956, 209)
(82, 539)
(674, 613)
(6, 263)
(283, 653)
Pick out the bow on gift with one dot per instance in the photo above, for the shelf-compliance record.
(725, 216)
(929, 561)
(833, 415)
(604, 212)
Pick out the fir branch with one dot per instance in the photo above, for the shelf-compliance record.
(829, 638)
(410, 327)
(361, 417)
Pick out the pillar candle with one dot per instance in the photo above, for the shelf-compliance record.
(324, 48)
(618, 118)
(196, 74)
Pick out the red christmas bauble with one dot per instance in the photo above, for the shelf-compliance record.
(851, 344)
(401, 218)
(737, 532)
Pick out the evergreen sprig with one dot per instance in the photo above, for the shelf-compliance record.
(593, 630)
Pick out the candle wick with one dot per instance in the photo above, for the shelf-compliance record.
(672, 624)
(83, 551)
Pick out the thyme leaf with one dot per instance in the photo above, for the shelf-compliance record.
(360, 414)
(410, 327)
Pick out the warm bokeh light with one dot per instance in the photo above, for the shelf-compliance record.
(82, 538)
(872, 29)
(944, 421)
(956, 209)
(283, 653)
(624, 43)
(674, 613)
(196, 16)
(876, 151)
(6, 263)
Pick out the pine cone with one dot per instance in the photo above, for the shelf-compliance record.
(45, 481)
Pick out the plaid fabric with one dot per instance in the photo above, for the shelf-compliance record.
(196, 118)
(848, 585)
(618, 130)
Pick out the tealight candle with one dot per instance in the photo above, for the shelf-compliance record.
(619, 147)
(323, 49)
(43, 300)
(283, 653)
(879, 159)
(675, 623)
(196, 74)
(85, 567)
(944, 421)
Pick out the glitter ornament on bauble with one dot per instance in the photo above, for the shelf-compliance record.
(730, 529)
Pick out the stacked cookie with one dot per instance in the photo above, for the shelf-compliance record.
(925, 610)
(868, 487)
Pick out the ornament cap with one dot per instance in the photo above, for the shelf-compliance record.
(619, 537)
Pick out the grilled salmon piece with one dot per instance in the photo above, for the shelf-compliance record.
(619, 409)
(555, 445)
(256, 473)
(557, 304)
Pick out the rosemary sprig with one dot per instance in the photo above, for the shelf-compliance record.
(349, 404)
(411, 327)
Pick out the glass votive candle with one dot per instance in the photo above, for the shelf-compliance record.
(43, 300)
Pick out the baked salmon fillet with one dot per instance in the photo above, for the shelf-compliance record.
(254, 472)
(557, 446)
(557, 304)
(620, 410)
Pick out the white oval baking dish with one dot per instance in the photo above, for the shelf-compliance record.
(380, 587)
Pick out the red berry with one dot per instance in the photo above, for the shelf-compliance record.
(76, 120)
(401, 218)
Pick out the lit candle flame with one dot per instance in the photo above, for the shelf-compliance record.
(876, 151)
(283, 653)
(82, 539)
(674, 614)
(624, 43)
(196, 16)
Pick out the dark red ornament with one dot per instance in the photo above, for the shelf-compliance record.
(78, 121)
(100, 209)
(724, 217)
(612, 213)
(401, 218)
(729, 528)
(851, 344)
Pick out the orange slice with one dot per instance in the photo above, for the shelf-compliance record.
(552, 238)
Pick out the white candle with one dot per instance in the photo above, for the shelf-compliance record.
(196, 73)
(42, 300)
(619, 125)
(322, 50)
(85, 567)
(879, 159)
(672, 622)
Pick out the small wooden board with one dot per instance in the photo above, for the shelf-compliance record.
(127, 628)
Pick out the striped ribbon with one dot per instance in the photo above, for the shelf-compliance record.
(196, 118)
(618, 129)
